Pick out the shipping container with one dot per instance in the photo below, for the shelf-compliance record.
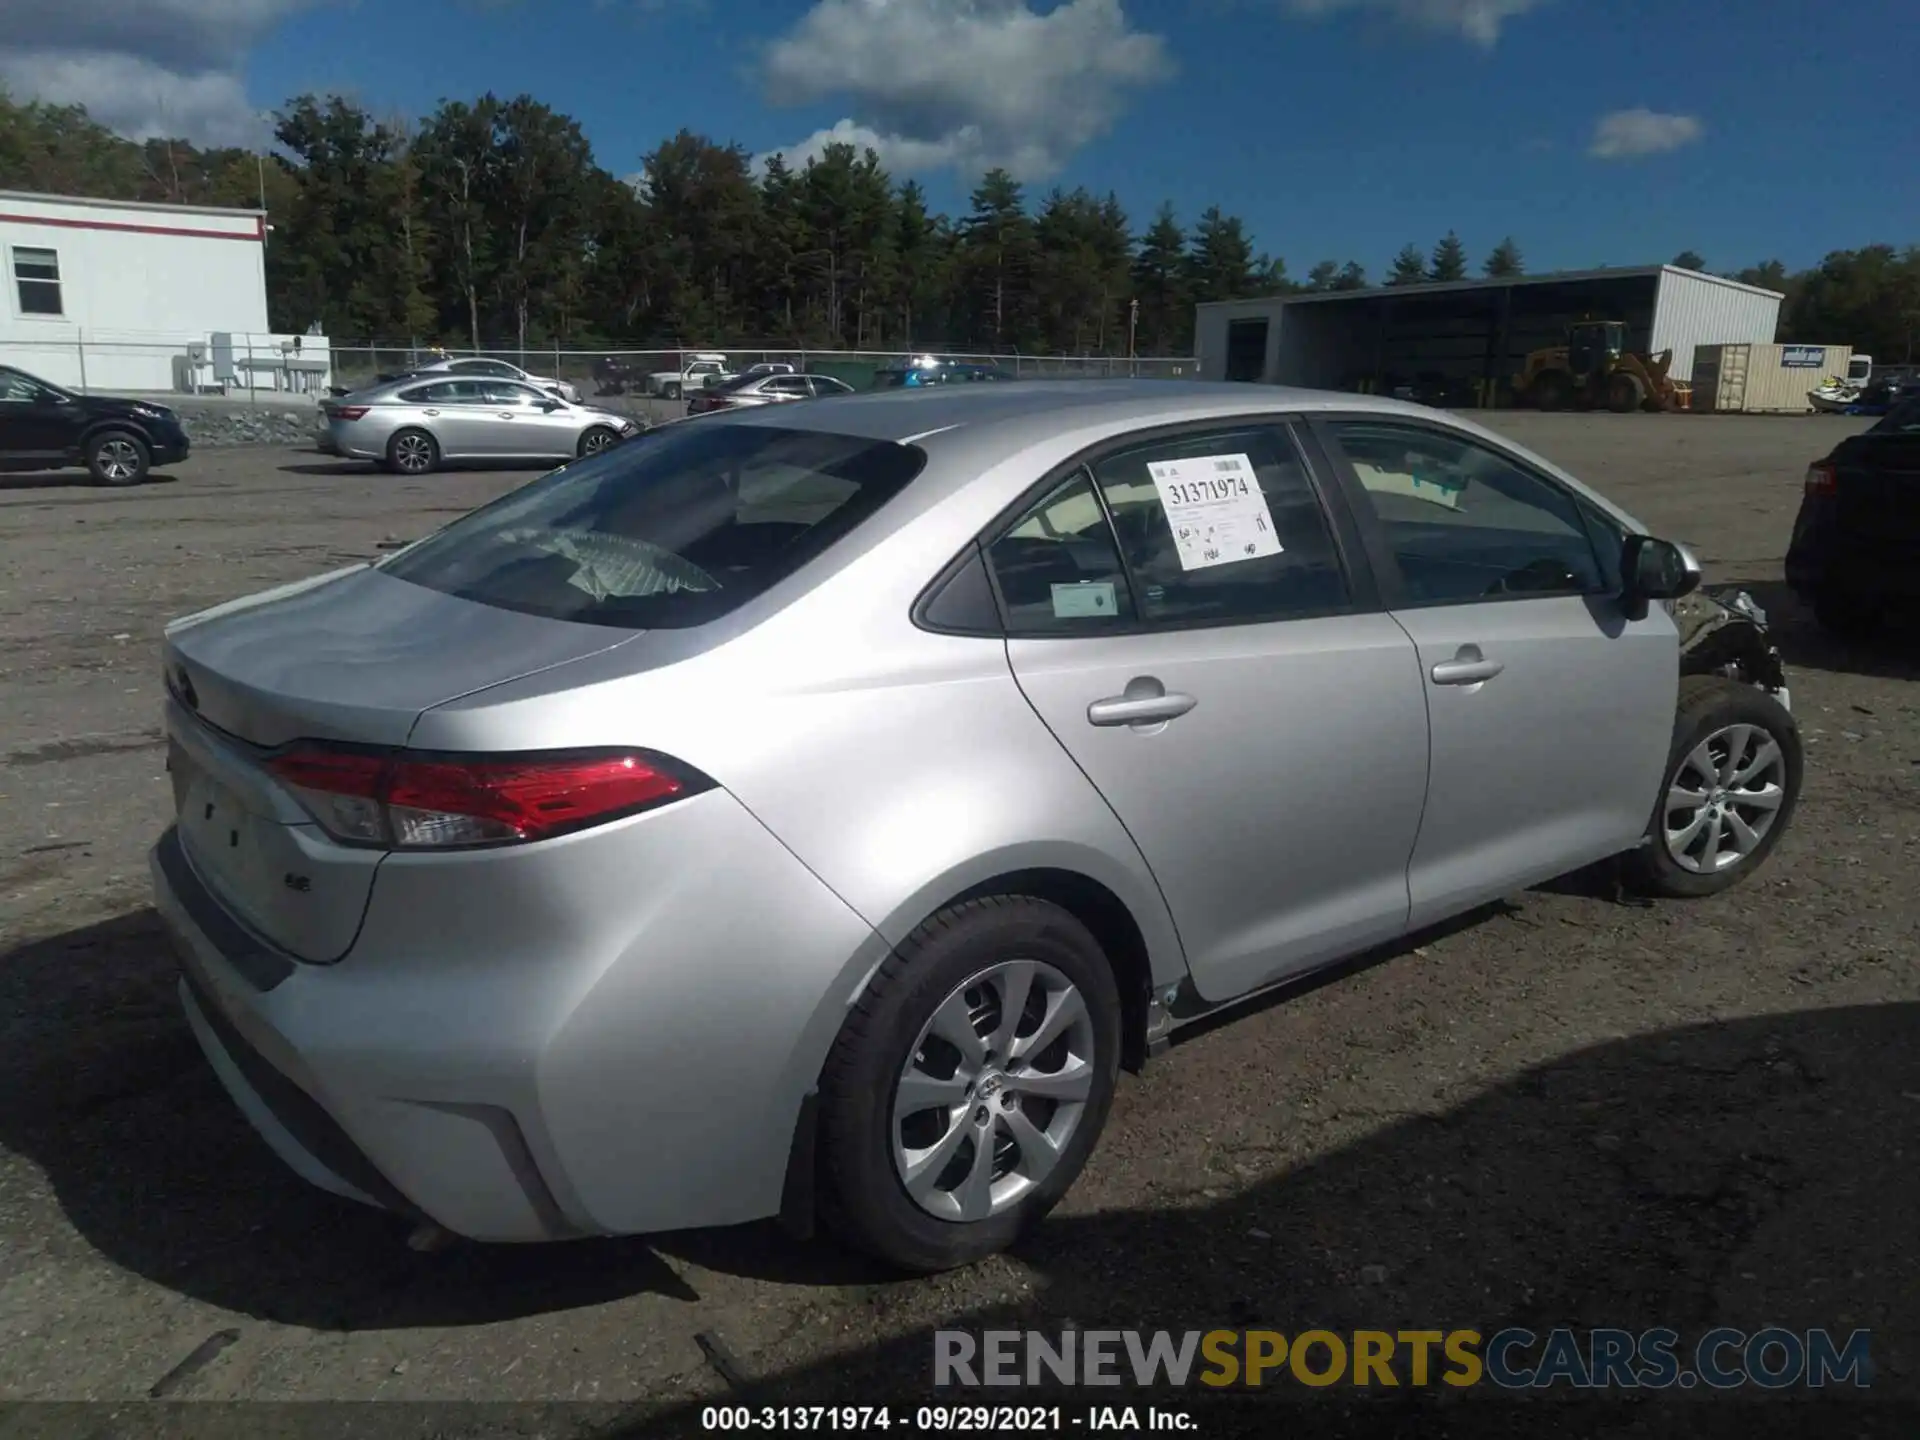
(1763, 379)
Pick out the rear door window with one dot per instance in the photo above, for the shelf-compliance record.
(673, 530)
(1222, 527)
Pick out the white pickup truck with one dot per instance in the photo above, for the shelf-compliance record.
(700, 372)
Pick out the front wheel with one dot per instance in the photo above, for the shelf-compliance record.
(969, 1085)
(672, 392)
(1732, 781)
(118, 458)
(597, 439)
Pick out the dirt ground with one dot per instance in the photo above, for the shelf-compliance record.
(1571, 1111)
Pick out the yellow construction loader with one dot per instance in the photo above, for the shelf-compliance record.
(1594, 369)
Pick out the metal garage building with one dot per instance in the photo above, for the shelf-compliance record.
(1468, 338)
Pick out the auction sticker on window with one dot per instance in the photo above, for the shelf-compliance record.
(1216, 508)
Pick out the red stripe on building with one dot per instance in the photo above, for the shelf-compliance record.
(259, 232)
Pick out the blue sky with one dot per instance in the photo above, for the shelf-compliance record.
(1338, 128)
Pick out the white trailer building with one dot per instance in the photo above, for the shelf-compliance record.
(1470, 337)
(111, 295)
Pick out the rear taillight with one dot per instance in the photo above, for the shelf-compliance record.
(350, 412)
(417, 801)
(1822, 478)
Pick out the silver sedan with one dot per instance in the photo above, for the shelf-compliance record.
(824, 803)
(478, 368)
(414, 425)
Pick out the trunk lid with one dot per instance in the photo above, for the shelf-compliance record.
(353, 656)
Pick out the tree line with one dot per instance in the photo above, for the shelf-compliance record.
(490, 222)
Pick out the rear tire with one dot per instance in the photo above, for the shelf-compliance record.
(413, 452)
(1743, 813)
(964, 968)
(117, 458)
(1552, 391)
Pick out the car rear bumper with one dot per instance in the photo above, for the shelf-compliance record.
(1867, 569)
(339, 439)
(529, 1049)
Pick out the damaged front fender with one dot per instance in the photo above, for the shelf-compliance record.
(1724, 632)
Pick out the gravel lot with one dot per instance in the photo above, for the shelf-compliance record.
(1569, 1111)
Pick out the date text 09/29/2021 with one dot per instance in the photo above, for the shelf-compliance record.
(946, 1419)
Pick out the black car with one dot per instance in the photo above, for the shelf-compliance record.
(43, 427)
(1855, 552)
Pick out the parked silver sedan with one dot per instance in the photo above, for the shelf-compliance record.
(414, 425)
(824, 803)
(479, 368)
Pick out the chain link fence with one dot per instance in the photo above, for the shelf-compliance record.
(246, 369)
(276, 370)
(659, 371)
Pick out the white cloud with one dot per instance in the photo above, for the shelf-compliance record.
(155, 67)
(964, 83)
(1477, 20)
(1628, 134)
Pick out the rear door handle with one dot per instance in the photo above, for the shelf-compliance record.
(429, 412)
(1468, 667)
(1140, 706)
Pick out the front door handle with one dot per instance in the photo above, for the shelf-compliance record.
(429, 412)
(1468, 667)
(1146, 702)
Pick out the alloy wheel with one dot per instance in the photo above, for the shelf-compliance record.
(413, 454)
(119, 459)
(993, 1090)
(1724, 798)
(595, 442)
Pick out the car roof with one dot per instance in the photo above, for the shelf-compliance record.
(913, 413)
(979, 426)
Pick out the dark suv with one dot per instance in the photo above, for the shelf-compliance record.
(43, 427)
(1855, 552)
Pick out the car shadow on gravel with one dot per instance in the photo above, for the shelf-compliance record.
(1894, 654)
(74, 479)
(1751, 1173)
(106, 1092)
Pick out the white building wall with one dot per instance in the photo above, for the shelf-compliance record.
(1691, 309)
(138, 283)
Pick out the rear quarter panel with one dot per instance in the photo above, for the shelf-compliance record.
(901, 767)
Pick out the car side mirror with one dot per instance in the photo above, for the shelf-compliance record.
(1652, 570)
(553, 405)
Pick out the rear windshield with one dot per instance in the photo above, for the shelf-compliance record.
(668, 531)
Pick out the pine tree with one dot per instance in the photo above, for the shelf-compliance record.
(1505, 261)
(1449, 259)
(1409, 267)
